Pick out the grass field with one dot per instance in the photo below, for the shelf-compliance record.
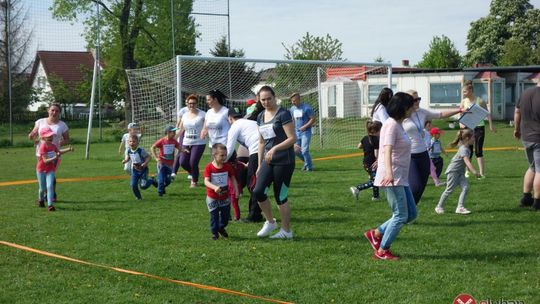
(492, 253)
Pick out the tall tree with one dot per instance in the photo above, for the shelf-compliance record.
(135, 33)
(303, 77)
(19, 48)
(441, 54)
(506, 19)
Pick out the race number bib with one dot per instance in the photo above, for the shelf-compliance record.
(51, 154)
(298, 113)
(135, 158)
(219, 179)
(168, 151)
(267, 131)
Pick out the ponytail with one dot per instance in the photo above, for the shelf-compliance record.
(461, 136)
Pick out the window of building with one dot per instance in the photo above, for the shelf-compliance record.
(445, 93)
(375, 89)
(41, 81)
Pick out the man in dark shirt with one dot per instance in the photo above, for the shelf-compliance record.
(527, 128)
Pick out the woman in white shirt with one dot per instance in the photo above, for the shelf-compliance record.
(191, 125)
(216, 124)
(420, 162)
(378, 112)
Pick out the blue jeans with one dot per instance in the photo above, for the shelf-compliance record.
(140, 178)
(401, 201)
(219, 218)
(164, 177)
(46, 185)
(303, 139)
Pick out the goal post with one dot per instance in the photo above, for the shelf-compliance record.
(340, 93)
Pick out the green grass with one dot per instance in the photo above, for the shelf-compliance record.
(491, 253)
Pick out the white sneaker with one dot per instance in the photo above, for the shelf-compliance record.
(467, 174)
(173, 176)
(189, 176)
(267, 228)
(462, 210)
(355, 192)
(440, 184)
(282, 234)
(439, 210)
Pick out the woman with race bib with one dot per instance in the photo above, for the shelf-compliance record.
(276, 163)
(191, 125)
(216, 124)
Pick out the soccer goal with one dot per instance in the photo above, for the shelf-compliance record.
(340, 93)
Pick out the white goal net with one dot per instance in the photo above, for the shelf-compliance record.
(340, 93)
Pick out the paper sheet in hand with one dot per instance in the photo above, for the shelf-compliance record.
(474, 115)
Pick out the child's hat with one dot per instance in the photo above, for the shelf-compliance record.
(435, 130)
(46, 132)
(133, 125)
(250, 102)
(169, 129)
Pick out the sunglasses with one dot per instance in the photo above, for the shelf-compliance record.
(417, 99)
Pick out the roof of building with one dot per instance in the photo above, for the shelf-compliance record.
(68, 66)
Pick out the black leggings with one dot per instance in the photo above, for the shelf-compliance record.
(479, 135)
(279, 175)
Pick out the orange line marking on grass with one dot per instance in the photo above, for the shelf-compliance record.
(100, 178)
(184, 283)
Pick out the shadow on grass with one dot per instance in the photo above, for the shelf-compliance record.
(494, 256)
(306, 207)
(330, 219)
(120, 201)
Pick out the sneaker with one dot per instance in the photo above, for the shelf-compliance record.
(51, 208)
(481, 177)
(467, 174)
(373, 240)
(282, 234)
(439, 210)
(526, 201)
(462, 210)
(536, 206)
(215, 236)
(193, 185)
(41, 203)
(173, 176)
(385, 255)
(267, 228)
(189, 176)
(375, 199)
(440, 184)
(223, 233)
(355, 192)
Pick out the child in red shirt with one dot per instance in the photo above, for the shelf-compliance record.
(46, 167)
(165, 161)
(216, 177)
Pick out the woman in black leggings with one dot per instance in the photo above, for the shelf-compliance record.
(276, 163)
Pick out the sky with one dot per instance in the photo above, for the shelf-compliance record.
(392, 29)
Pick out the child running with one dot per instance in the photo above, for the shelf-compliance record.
(455, 173)
(133, 129)
(139, 159)
(370, 145)
(165, 161)
(46, 167)
(216, 177)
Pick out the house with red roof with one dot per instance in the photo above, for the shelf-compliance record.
(69, 67)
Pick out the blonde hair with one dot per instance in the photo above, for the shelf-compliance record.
(218, 147)
(461, 136)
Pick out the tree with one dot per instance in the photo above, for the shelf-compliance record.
(441, 54)
(19, 41)
(135, 33)
(235, 79)
(303, 77)
(514, 52)
(315, 48)
(507, 19)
